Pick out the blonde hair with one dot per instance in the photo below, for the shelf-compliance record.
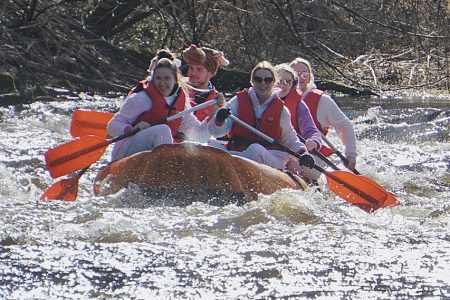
(300, 60)
(287, 68)
(264, 65)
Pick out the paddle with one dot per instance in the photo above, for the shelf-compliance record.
(319, 154)
(89, 122)
(65, 189)
(339, 153)
(331, 164)
(83, 152)
(355, 189)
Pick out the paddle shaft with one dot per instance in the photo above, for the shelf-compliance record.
(91, 122)
(338, 153)
(320, 155)
(369, 198)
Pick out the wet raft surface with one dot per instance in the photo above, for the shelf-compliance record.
(194, 172)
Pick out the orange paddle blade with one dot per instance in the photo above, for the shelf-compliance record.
(75, 155)
(66, 190)
(360, 190)
(89, 122)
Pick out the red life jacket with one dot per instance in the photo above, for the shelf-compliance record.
(291, 102)
(240, 137)
(160, 109)
(204, 112)
(312, 101)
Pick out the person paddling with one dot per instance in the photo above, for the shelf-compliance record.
(151, 100)
(324, 110)
(301, 118)
(203, 64)
(261, 108)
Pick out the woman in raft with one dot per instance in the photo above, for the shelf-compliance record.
(152, 100)
(324, 110)
(261, 108)
(301, 118)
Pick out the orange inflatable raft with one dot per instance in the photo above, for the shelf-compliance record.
(194, 172)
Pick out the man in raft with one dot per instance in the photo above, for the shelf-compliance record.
(203, 64)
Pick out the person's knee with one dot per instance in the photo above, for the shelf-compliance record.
(159, 132)
(166, 129)
(257, 149)
(255, 152)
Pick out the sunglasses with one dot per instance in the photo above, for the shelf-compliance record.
(267, 80)
(303, 74)
(285, 82)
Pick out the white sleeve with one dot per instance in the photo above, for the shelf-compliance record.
(132, 108)
(218, 131)
(233, 106)
(200, 131)
(192, 128)
(330, 115)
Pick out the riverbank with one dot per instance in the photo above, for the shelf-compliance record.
(10, 95)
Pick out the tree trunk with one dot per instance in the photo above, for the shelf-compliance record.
(108, 14)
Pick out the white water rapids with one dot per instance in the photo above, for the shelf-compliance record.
(292, 244)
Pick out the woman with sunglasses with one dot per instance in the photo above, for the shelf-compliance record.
(301, 117)
(324, 110)
(261, 108)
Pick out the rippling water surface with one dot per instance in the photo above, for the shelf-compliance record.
(292, 244)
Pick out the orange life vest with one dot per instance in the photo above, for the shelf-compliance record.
(204, 112)
(240, 137)
(291, 102)
(160, 109)
(312, 101)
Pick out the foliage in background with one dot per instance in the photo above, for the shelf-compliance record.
(381, 45)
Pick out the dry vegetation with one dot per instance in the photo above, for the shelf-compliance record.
(383, 46)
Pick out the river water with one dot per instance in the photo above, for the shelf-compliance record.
(292, 244)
